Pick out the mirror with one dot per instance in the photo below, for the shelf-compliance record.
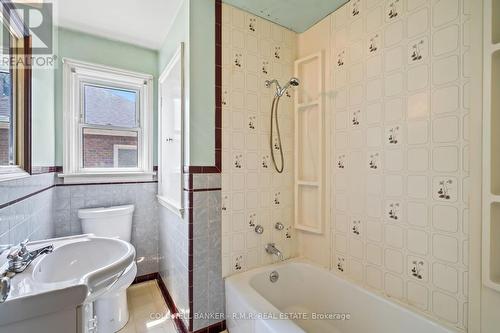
(15, 97)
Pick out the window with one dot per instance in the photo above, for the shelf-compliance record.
(108, 123)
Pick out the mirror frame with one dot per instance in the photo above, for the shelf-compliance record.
(20, 47)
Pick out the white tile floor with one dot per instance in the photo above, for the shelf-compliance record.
(147, 310)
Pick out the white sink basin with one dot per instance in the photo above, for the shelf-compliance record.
(94, 261)
(78, 271)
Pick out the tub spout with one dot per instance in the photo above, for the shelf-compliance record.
(272, 249)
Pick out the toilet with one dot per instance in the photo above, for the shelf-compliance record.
(111, 309)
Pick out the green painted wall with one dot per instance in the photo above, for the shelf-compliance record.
(94, 49)
(202, 82)
(195, 26)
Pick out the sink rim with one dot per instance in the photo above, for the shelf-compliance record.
(125, 257)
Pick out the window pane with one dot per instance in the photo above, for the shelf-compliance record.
(110, 107)
(109, 149)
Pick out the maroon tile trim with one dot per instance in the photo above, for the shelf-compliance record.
(214, 328)
(108, 183)
(37, 170)
(179, 324)
(25, 197)
(146, 277)
(203, 169)
(203, 189)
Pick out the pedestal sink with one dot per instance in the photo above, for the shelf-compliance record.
(95, 262)
(51, 294)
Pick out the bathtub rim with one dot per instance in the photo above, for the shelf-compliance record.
(254, 300)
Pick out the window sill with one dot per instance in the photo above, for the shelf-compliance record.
(107, 177)
(12, 173)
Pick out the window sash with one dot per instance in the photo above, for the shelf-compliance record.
(138, 100)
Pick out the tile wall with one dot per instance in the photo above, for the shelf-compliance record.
(70, 198)
(254, 50)
(400, 164)
(30, 217)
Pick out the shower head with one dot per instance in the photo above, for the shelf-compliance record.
(294, 82)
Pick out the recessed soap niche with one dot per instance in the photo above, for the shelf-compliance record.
(309, 145)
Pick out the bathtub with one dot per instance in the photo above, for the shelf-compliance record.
(303, 291)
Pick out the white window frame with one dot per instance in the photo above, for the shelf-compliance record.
(75, 75)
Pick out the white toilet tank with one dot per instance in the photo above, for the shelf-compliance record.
(108, 221)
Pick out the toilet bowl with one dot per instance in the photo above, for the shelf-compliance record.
(111, 308)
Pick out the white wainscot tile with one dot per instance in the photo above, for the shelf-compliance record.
(356, 29)
(374, 184)
(417, 187)
(374, 66)
(417, 241)
(373, 206)
(418, 132)
(356, 270)
(374, 137)
(356, 95)
(445, 70)
(446, 99)
(417, 268)
(394, 185)
(374, 231)
(418, 22)
(394, 261)
(394, 84)
(374, 113)
(394, 235)
(445, 40)
(444, 11)
(340, 243)
(418, 295)
(445, 218)
(445, 306)
(374, 277)
(445, 159)
(417, 214)
(374, 254)
(394, 110)
(356, 52)
(445, 277)
(393, 33)
(418, 159)
(418, 105)
(445, 189)
(418, 77)
(356, 139)
(374, 90)
(356, 248)
(445, 248)
(418, 51)
(341, 223)
(374, 19)
(393, 160)
(445, 129)
(341, 119)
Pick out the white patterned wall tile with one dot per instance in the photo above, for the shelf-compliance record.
(252, 193)
(400, 150)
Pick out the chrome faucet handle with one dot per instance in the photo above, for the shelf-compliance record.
(23, 251)
(4, 288)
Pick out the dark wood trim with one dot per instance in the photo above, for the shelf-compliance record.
(202, 169)
(179, 324)
(203, 189)
(27, 106)
(25, 197)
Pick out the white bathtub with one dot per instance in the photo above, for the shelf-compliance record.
(304, 290)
